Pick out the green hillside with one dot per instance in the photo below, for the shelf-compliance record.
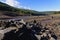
(6, 7)
(9, 10)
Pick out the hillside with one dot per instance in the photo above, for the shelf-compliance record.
(6, 7)
(8, 10)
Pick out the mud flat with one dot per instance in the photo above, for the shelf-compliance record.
(47, 21)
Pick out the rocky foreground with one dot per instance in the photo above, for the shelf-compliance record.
(20, 30)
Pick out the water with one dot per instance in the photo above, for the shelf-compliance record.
(17, 18)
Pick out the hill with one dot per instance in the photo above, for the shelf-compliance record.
(8, 10)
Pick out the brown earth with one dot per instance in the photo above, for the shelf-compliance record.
(50, 21)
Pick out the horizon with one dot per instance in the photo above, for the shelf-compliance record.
(38, 5)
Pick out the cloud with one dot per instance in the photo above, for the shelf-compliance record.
(57, 10)
(14, 3)
(24, 7)
(54, 10)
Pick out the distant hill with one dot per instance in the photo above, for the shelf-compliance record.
(8, 10)
(6, 7)
(19, 11)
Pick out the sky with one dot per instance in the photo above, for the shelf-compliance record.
(38, 5)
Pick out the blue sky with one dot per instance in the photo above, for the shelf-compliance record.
(38, 5)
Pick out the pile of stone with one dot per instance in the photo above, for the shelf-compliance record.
(30, 31)
(11, 23)
(42, 33)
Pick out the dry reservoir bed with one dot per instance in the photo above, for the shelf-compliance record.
(51, 22)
